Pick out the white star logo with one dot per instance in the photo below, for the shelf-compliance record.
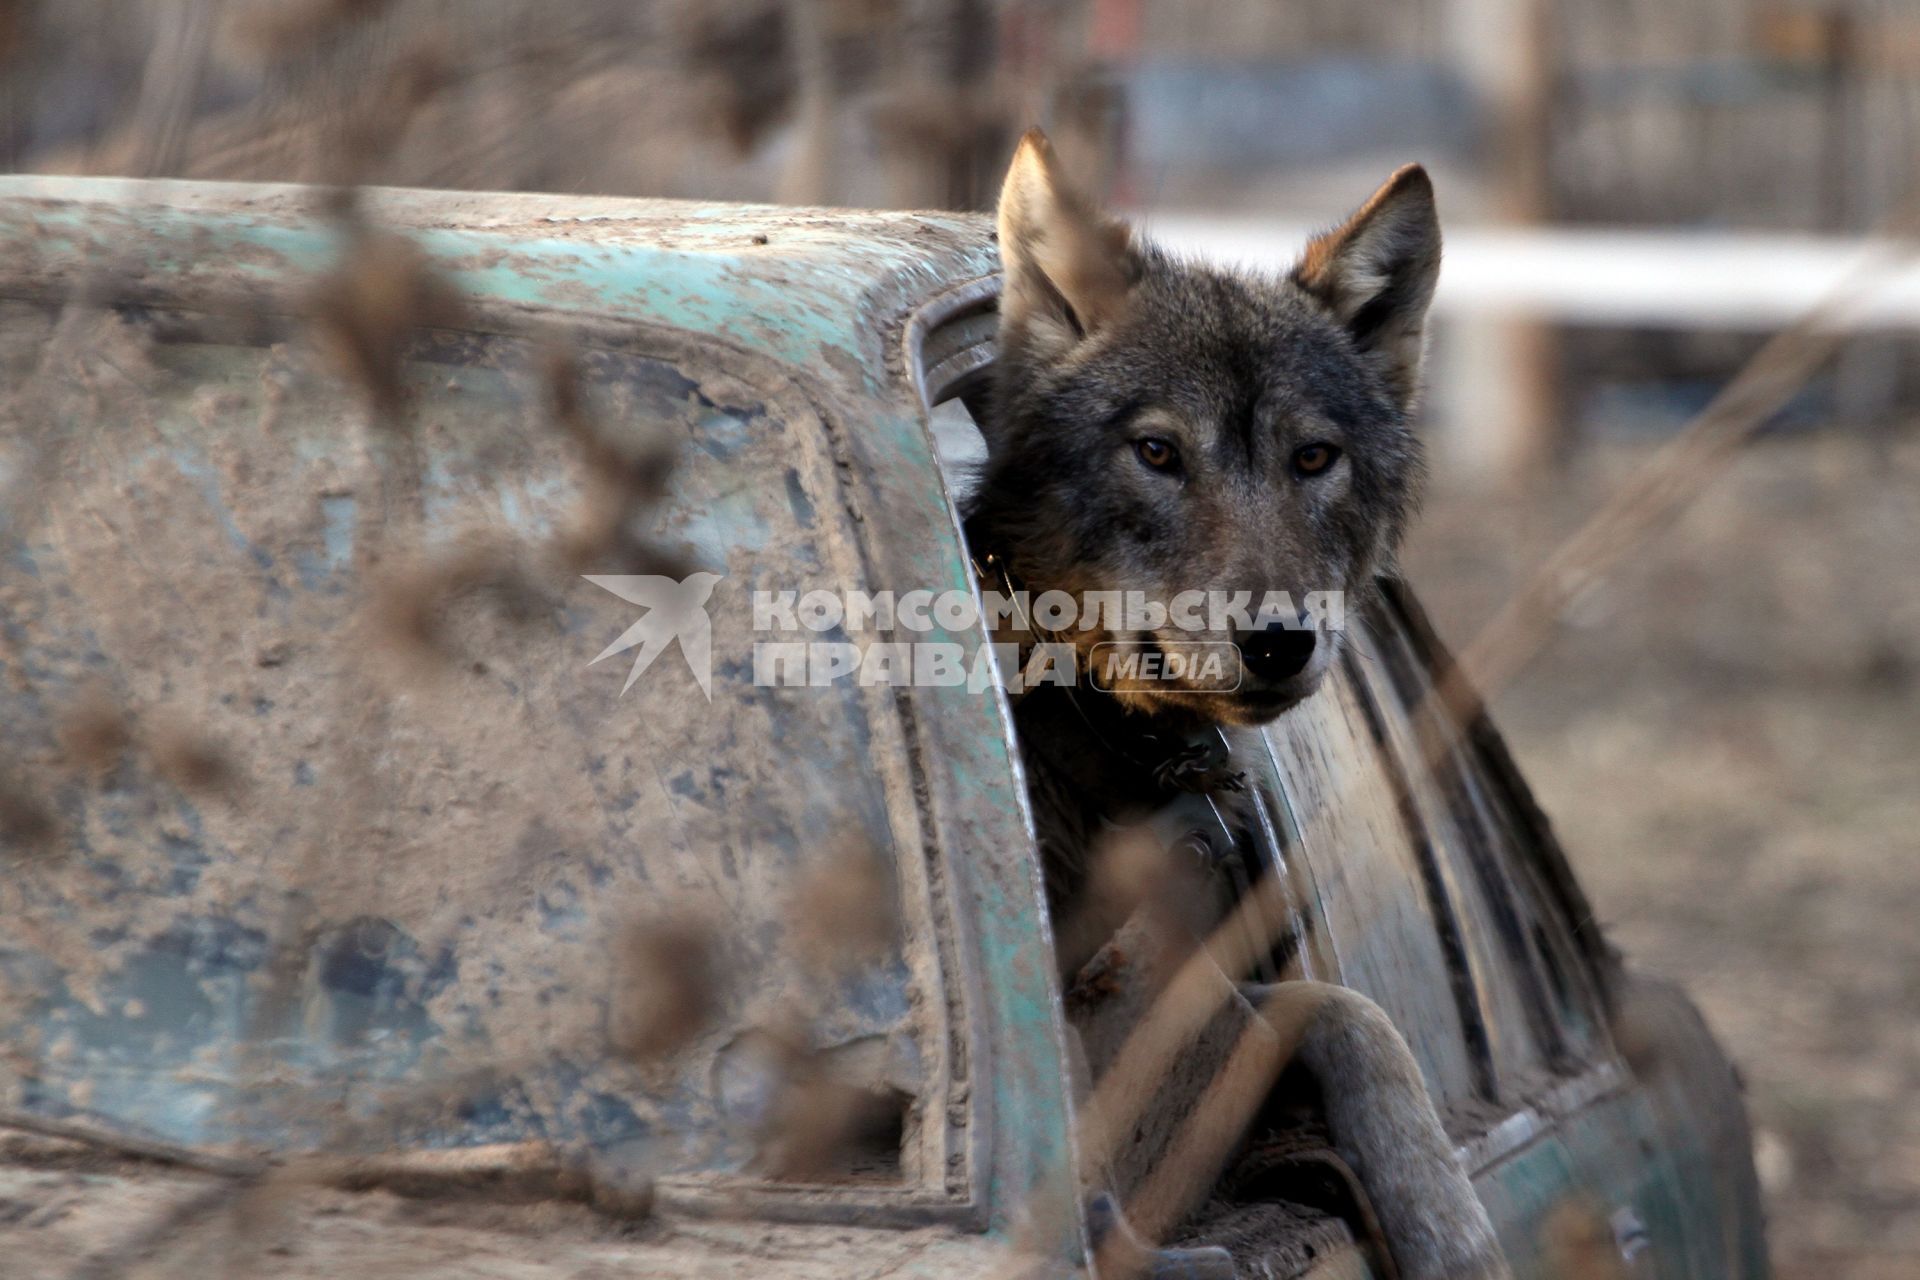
(675, 611)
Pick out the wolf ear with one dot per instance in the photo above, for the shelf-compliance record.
(1376, 273)
(1067, 267)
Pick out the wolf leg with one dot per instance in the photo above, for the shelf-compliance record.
(1384, 1124)
(1381, 1117)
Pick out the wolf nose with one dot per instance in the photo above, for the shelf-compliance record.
(1275, 652)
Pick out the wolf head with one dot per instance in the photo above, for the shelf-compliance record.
(1168, 428)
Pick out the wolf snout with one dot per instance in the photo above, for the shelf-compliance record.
(1277, 651)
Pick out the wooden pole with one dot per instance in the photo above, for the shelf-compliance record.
(1500, 375)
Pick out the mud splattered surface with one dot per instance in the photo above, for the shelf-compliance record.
(315, 801)
(61, 1208)
(1728, 740)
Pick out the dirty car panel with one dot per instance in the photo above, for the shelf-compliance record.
(455, 828)
(396, 913)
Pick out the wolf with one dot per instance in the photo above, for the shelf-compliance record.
(1162, 426)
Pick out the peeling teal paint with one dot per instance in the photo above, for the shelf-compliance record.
(823, 295)
(800, 301)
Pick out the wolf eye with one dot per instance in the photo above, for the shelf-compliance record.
(1156, 453)
(1312, 459)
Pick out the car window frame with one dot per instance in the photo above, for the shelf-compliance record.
(1520, 1034)
(1573, 964)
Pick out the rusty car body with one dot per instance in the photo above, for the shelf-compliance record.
(336, 872)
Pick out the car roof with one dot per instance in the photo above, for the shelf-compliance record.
(804, 286)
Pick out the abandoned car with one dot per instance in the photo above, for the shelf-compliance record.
(333, 857)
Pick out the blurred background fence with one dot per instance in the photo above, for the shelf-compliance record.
(1712, 116)
(1728, 732)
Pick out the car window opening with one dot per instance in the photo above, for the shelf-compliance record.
(954, 358)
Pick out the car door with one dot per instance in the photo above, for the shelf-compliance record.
(1424, 877)
(1635, 1160)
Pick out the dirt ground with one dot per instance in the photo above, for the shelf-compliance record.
(1728, 738)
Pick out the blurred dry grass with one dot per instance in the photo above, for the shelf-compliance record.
(1727, 737)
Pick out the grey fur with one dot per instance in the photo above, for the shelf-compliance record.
(1105, 340)
(1435, 1224)
(1238, 372)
